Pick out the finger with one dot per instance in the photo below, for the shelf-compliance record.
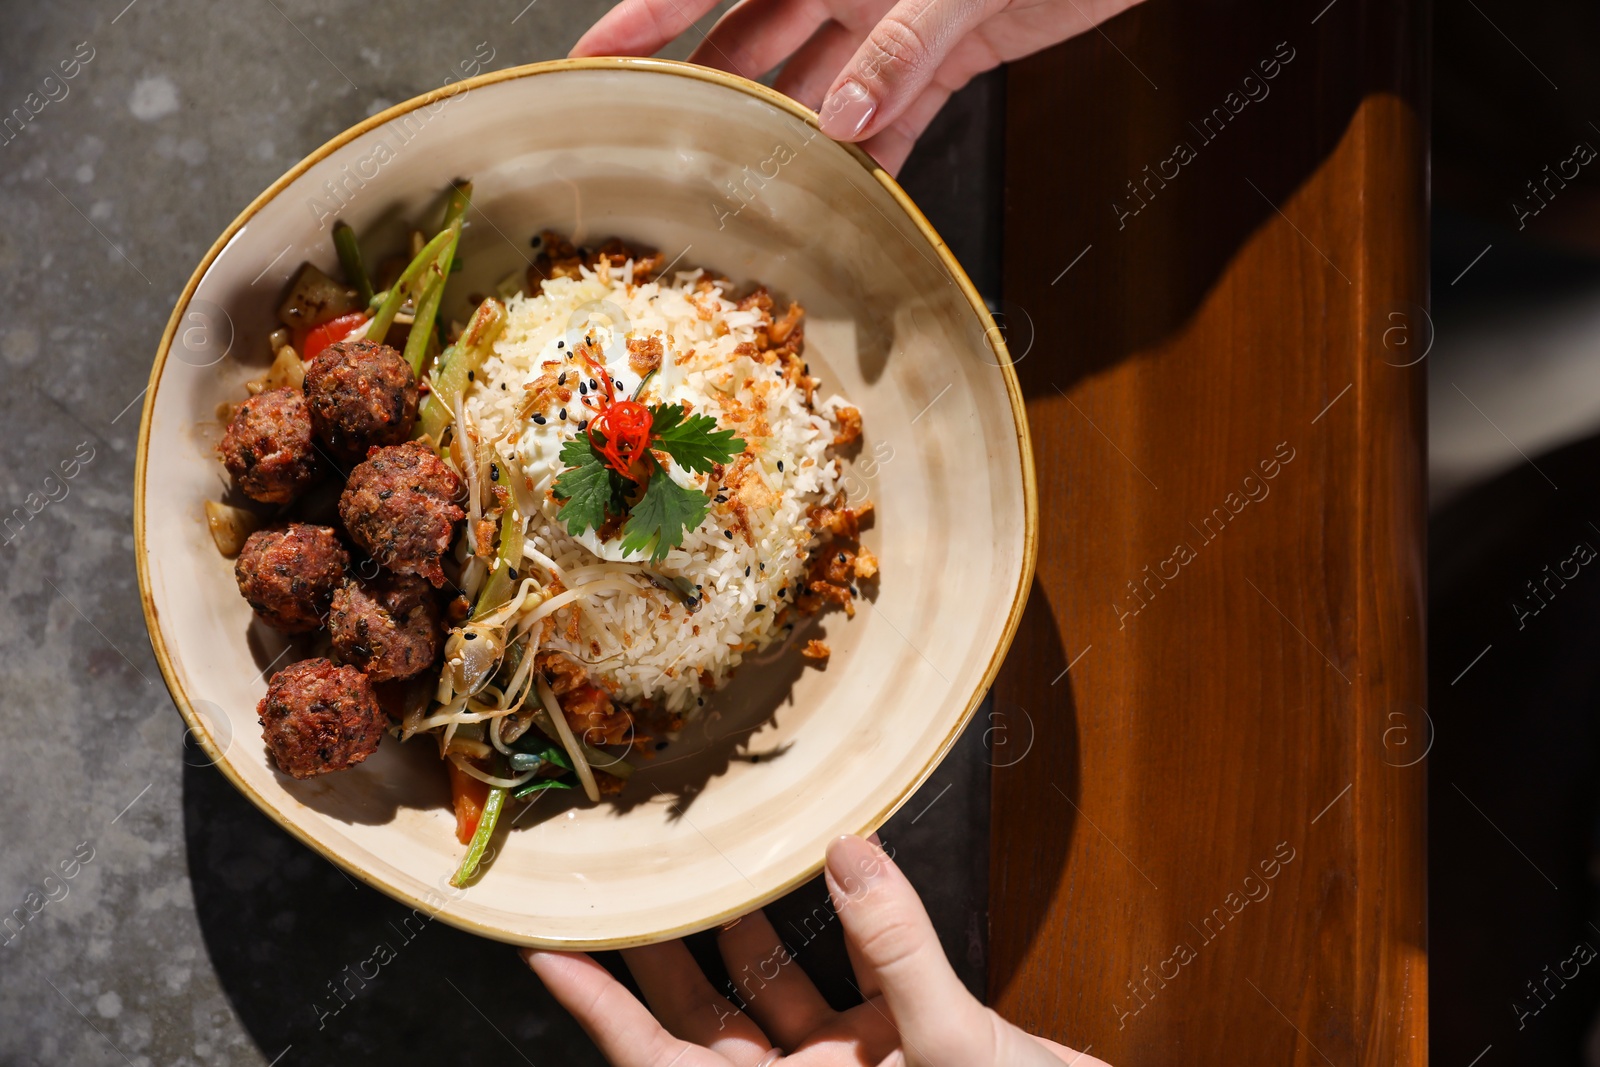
(687, 1005)
(891, 146)
(627, 1034)
(895, 64)
(811, 70)
(775, 991)
(756, 35)
(1068, 1056)
(866, 978)
(894, 938)
(640, 27)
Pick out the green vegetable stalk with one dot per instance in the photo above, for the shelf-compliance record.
(355, 272)
(465, 357)
(480, 839)
(455, 211)
(378, 329)
(497, 590)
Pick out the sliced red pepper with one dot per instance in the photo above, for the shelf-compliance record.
(468, 795)
(330, 332)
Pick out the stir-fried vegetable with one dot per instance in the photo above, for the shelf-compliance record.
(407, 283)
(480, 838)
(230, 526)
(355, 272)
(472, 655)
(433, 289)
(555, 718)
(331, 332)
(460, 360)
(497, 590)
(313, 299)
(467, 796)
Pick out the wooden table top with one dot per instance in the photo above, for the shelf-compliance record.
(1210, 844)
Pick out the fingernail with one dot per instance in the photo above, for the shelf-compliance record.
(530, 956)
(847, 111)
(855, 865)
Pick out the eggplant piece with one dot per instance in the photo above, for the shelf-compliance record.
(314, 298)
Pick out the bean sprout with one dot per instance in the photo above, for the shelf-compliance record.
(503, 783)
(548, 698)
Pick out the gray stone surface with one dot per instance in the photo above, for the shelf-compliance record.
(191, 930)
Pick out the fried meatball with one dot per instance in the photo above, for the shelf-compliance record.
(400, 507)
(361, 394)
(318, 718)
(269, 448)
(388, 628)
(288, 574)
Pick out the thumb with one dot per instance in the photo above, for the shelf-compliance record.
(889, 929)
(896, 62)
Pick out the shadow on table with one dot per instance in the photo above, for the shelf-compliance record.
(1157, 161)
(1034, 719)
(312, 959)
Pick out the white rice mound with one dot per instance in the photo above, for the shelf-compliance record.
(647, 643)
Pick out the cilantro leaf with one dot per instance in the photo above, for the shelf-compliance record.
(693, 441)
(586, 489)
(661, 516)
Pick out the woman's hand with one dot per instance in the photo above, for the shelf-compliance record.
(876, 70)
(917, 1012)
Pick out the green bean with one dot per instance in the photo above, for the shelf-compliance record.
(355, 272)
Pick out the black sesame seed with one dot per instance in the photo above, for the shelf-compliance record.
(700, 701)
(512, 571)
(763, 566)
(470, 636)
(584, 424)
(562, 378)
(594, 385)
(699, 587)
(783, 592)
(761, 607)
(780, 466)
(502, 385)
(583, 390)
(747, 570)
(472, 376)
(841, 557)
(563, 414)
(494, 472)
(539, 419)
(561, 344)
(728, 534)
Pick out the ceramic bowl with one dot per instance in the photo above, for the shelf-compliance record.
(728, 175)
